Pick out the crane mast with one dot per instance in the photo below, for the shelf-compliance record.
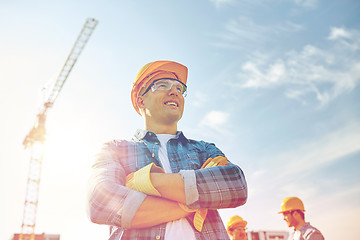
(35, 139)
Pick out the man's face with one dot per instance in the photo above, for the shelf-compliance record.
(290, 219)
(238, 233)
(164, 106)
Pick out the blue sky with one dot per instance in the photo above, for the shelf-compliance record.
(275, 84)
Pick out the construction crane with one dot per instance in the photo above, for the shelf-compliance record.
(35, 139)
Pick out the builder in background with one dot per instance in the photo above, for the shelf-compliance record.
(236, 228)
(293, 211)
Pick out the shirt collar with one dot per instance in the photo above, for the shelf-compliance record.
(141, 134)
(303, 227)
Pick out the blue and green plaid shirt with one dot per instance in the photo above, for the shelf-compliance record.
(111, 203)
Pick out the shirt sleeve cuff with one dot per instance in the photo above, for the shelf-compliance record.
(191, 192)
(131, 204)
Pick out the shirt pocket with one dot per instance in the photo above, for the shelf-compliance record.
(193, 159)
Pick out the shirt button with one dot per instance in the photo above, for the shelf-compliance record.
(156, 143)
(157, 237)
(153, 155)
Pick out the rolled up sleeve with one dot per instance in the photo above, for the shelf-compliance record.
(109, 201)
(191, 192)
(221, 187)
(214, 187)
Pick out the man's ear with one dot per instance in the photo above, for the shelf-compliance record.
(140, 102)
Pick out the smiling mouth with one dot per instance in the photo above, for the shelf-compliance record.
(170, 103)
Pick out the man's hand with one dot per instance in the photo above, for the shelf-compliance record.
(141, 181)
(215, 162)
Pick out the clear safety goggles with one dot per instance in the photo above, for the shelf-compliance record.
(165, 84)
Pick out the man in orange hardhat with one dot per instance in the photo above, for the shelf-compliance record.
(293, 211)
(236, 228)
(160, 184)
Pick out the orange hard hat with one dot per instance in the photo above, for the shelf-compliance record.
(153, 71)
(235, 220)
(292, 204)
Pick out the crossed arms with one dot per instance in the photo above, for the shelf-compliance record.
(111, 203)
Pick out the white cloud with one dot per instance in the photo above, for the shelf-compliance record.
(297, 94)
(322, 151)
(215, 120)
(349, 39)
(339, 33)
(324, 73)
(292, 169)
(288, 27)
(239, 29)
(273, 75)
(244, 28)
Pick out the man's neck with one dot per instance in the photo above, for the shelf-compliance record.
(162, 129)
(299, 225)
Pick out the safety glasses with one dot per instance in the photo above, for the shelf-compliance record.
(165, 84)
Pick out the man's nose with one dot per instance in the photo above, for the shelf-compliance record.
(173, 90)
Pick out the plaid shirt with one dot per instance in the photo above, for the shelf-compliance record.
(306, 232)
(111, 203)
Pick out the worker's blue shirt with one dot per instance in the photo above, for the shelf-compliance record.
(213, 188)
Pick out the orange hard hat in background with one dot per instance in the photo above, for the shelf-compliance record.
(292, 204)
(235, 220)
(153, 71)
